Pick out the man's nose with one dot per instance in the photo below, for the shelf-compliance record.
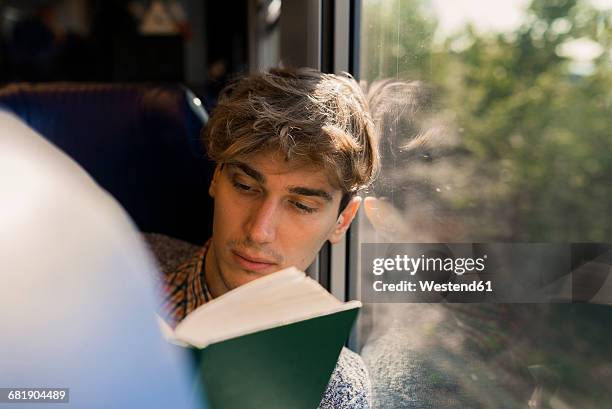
(261, 225)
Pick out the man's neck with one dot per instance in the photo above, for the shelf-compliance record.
(215, 284)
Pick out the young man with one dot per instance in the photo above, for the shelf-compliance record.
(292, 148)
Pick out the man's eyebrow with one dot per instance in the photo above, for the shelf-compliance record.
(297, 190)
(259, 177)
(306, 191)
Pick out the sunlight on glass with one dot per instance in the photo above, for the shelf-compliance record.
(495, 122)
(515, 95)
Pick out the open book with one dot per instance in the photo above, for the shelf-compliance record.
(271, 343)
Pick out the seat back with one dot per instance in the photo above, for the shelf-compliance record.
(141, 143)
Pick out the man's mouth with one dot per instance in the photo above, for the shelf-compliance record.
(252, 263)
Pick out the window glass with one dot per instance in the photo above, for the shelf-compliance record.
(495, 123)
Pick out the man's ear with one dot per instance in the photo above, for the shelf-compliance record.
(344, 220)
(213, 183)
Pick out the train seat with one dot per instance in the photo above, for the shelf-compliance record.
(139, 142)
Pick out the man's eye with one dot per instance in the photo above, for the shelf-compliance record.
(243, 187)
(303, 208)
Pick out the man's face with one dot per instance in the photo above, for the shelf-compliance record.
(270, 215)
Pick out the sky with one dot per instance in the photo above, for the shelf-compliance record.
(505, 16)
(486, 15)
(498, 15)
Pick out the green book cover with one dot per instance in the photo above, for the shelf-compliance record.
(272, 343)
(279, 368)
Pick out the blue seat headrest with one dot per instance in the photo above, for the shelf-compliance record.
(139, 142)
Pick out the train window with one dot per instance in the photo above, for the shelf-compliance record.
(494, 121)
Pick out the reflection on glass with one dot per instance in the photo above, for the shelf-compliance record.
(495, 123)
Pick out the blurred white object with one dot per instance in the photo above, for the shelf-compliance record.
(77, 300)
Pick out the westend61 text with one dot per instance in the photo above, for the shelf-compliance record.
(428, 286)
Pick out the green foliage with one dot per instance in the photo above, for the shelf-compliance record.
(538, 133)
(399, 39)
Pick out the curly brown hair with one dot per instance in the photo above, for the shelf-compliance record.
(306, 115)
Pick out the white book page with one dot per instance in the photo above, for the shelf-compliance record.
(277, 299)
(168, 333)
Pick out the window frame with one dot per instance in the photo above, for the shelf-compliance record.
(325, 34)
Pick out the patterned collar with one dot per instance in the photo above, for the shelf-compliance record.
(185, 289)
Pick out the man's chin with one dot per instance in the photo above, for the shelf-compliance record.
(243, 276)
(240, 276)
(248, 275)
